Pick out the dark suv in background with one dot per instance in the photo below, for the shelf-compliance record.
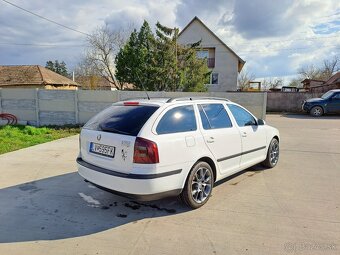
(327, 103)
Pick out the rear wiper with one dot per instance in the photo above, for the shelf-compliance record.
(111, 129)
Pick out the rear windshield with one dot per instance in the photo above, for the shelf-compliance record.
(126, 120)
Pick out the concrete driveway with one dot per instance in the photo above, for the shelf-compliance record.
(46, 208)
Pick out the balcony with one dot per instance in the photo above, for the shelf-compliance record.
(211, 62)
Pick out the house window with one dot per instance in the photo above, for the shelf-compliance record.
(202, 54)
(214, 78)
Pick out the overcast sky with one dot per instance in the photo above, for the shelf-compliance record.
(275, 37)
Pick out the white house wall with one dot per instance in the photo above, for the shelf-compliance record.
(226, 63)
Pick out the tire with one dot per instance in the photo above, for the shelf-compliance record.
(316, 111)
(273, 154)
(201, 180)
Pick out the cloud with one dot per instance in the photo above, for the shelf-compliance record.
(18, 27)
(272, 36)
(127, 17)
(161, 11)
(209, 12)
(327, 27)
(262, 18)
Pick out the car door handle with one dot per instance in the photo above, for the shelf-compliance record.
(210, 140)
(244, 134)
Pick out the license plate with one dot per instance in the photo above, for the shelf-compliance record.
(102, 149)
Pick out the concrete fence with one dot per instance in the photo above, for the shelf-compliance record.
(288, 101)
(59, 107)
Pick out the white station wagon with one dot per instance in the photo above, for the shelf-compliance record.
(150, 149)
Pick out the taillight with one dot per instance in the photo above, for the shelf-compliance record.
(145, 152)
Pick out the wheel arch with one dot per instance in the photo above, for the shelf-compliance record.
(211, 163)
(320, 105)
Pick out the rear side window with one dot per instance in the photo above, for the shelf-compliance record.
(178, 119)
(214, 116)
(242, 117)
(120, 119)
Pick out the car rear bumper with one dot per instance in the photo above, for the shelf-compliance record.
(142, 187)
(138, 197)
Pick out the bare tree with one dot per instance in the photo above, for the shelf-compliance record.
(310, 72)
(329, 67)
(85, 68)
(244, 78)
(295, 82)
(103, 45)
(272, 83)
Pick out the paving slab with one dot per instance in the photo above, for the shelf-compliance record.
(47, 208)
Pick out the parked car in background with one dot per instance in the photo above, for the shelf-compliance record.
(327, 103)
(150, 149)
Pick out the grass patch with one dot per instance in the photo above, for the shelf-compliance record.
(16, 137)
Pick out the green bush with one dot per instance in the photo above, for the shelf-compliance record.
(29, 130)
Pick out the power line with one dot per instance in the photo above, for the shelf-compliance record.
(241, 52)
(42, 45)
(39, 16)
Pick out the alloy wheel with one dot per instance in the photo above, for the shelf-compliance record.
(274, 153)
(317, 111)
(201, 185)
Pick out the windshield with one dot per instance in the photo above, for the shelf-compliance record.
(327, 95)
(126, 120)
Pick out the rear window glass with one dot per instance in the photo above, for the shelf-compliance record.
(178, 119)
(126, 120)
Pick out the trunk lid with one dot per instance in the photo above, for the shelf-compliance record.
(123, 146)
(107, 140)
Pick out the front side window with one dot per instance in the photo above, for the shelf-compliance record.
(178, 119)
(242, 117)
(214, 116)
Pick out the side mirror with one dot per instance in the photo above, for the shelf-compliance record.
(260, 122)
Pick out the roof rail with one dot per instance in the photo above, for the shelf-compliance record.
(175, 99)
(139, 98)
(134, 98)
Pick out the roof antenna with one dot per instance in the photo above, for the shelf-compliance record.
(140, 81)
